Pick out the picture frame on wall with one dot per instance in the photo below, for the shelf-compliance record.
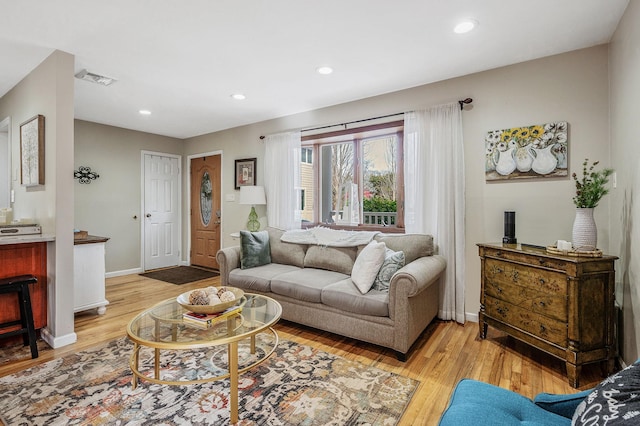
(534, 151)
(32, 151)
(245, 172)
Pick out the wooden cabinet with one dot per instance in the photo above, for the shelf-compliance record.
(20, 259)
(89, 274)
(563, 305)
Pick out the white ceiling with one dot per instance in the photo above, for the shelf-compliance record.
(183, 59)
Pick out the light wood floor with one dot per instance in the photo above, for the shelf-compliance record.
(444, 354)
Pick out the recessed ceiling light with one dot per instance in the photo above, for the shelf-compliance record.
(324, 70)
(238, 96)
(145, 112)
(465, 26)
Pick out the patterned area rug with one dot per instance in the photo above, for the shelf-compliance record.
(298, 385)
(180, 274)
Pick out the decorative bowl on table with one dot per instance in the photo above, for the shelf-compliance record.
(202, 301)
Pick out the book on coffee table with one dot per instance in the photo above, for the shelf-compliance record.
(206, 320)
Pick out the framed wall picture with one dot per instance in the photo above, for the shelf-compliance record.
(536, 151)
(245, 172)
(32, 151)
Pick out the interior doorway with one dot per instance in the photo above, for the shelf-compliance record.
(161, 210)
(206, 214)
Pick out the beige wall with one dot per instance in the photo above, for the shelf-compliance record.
(571, 87)
(48, 90)
(624, 212)
(106, 206)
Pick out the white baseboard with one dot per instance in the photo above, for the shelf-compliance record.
(123, 272)
(468, 316)
(57, 342)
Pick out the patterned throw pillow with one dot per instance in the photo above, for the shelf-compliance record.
(393, 260)
(615, 401)
(254, 249)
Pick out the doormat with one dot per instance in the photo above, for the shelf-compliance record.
(181, 274)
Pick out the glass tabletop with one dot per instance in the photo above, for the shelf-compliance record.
(163, 325)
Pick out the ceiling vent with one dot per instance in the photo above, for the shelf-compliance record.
(95, 78)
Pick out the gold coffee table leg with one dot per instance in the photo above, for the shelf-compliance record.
(233, 380)
(134, 378)
(156, 364)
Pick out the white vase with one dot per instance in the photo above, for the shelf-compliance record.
(585, 234)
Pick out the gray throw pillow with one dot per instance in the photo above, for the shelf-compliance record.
(254, 249)
(615, 401)
(393, 261)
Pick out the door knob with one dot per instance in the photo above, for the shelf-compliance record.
(148, 214)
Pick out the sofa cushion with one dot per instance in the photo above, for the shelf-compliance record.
(258, 278)
(254, 249)
(478, 403)
(305, 284)
(367, 264)
(345, 296)
(615, 401)
(337, 259)
(412, 245)
(285, 253)
(393, 261)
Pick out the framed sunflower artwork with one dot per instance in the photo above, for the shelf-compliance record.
(537, 151)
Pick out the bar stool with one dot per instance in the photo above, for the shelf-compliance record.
(20, 285)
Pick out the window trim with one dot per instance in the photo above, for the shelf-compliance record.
(356, 136)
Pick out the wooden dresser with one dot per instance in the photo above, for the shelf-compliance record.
(563, 305)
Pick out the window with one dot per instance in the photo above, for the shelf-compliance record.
(356, 178)
(306, 155)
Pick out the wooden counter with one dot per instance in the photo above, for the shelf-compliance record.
(25, 255)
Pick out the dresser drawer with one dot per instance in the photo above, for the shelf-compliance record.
(542, 280)
(533, 259)
(536, 324)
(529, 297)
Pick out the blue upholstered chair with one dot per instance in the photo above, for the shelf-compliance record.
(615, 401)
(477, 403)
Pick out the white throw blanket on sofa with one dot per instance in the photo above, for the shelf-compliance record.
(328, 237)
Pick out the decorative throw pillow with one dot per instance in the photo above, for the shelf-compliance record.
(615, 401)
(367, 264)
(254, 249)
(393, 260)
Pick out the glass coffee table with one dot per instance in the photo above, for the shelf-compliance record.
(162, 328)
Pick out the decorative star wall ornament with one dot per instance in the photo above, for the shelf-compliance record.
(85, 175)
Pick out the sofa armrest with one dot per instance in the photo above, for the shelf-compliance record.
(418, 275)
(562, 405)
(228, 259)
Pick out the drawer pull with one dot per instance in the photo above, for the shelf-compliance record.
(499, 290)
(543, 328)
(542, 281)
(542, 304)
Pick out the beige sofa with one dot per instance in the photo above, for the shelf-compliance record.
(314, 287)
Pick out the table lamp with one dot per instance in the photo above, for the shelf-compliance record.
(253, 195)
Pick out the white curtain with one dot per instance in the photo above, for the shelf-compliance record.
(282, 179)
(434, 193)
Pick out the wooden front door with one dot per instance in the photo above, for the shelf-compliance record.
(205, 210)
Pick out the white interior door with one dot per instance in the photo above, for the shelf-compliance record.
(161, 211)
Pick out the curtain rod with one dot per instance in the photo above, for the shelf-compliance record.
(461, 102)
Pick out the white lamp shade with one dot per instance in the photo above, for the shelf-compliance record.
(253, 195)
